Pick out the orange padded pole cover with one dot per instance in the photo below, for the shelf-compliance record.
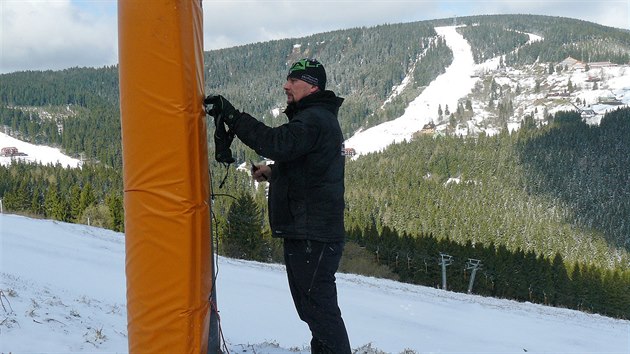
(165, 165)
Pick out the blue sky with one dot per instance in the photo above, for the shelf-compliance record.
(57, 34)
(97, 7)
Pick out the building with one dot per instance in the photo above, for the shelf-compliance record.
(601, 64)
(572, 64)
(428, 128)
(349, 152)
(588, 113)
(9, 151)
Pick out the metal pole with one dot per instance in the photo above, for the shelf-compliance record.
(214, 339)
(475, 265)
(443, 276)
(472, 280)
(445, 260)
(214, 342)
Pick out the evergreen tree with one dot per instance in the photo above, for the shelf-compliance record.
(114, 202)
(560, 277)
(242, 237)
(87, 197)
(75, 203)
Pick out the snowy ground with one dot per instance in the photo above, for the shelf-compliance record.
(63, 291)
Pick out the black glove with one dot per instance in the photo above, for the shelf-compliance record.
(221, 108)
(222, 141)
(217, 106)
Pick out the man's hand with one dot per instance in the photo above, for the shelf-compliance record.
(220, 108)
(261, 173)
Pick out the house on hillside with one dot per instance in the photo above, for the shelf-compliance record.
(9, 151)
(428, 128)
(558, 93)
(349, 152)
(601, 64)
(587, 113)
(572, 64)
(593, 78)
(609, 100)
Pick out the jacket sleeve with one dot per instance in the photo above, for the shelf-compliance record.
(283, 143)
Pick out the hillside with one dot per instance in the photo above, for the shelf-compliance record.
(367, 66)
(63, 290)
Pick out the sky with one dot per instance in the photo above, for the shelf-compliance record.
(58, 34)
(63, 291)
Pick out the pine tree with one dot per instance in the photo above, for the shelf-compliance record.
(75, 203)
(563, 295)
(114, 202)
(242, 237)
(37, 201)
(87, 197)
(51, 201)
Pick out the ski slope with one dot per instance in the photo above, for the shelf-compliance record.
(35, 153)
(63, 291)
(445, 90)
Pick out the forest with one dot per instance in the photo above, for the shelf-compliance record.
(545, 210)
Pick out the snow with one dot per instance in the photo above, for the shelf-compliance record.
(35, 153)
(534, 38)
(63, 290)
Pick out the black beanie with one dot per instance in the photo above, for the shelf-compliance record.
(309, 70)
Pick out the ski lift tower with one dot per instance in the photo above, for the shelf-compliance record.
(475, 265)
(445, 261)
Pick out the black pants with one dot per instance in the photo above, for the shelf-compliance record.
(311, 267)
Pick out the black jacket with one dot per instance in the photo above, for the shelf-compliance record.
(306, 191)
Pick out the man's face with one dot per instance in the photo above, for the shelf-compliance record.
(296, 89)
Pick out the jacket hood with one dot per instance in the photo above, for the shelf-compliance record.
(327, 99)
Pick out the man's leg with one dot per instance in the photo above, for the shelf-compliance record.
(311, 267)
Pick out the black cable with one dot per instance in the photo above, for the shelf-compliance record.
(214, 230)
(227, 172)
(223, 195)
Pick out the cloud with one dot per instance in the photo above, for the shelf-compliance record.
(235, 22)
(246, 21)
(612, 13)
(58, 34)
(38, 35)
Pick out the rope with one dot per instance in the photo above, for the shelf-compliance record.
(214, 231)
(216, 311)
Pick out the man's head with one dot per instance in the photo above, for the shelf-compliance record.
(305, 77)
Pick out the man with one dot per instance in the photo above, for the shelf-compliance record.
(306, 194)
